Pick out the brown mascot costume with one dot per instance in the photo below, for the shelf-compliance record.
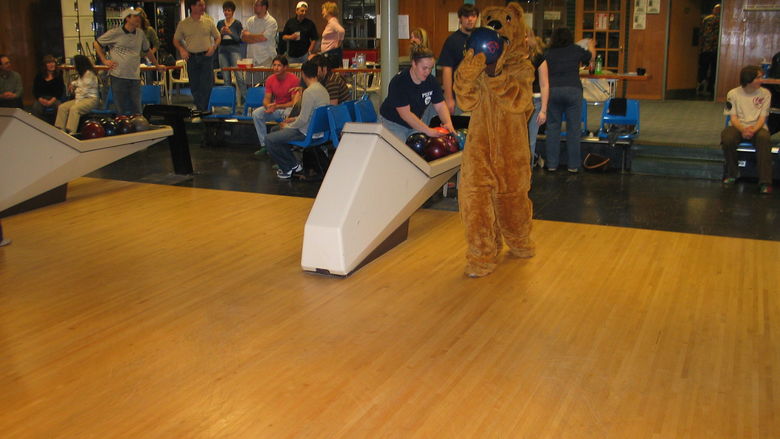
(496, 171)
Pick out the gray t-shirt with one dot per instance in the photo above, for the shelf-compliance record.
(314, 96)
(749, 107)
(123, 48)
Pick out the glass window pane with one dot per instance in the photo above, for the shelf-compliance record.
(613, 60)
(588, 5)
(587, 20)
(614, 21)
(601, 40)
(602, 5)
(614, 40)
(587, 34)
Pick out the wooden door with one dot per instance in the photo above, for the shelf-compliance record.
(603, 20)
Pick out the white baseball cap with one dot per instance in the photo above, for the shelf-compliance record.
(302, 5)
(129, 11)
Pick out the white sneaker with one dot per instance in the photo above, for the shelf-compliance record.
(287, 175)
(5, 242)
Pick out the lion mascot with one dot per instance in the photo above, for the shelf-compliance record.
(496, 171)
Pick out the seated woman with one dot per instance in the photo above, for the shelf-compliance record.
(48, 88)
(85, 91)
(410, 97)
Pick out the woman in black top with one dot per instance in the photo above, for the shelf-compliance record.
(48, 88)
(230, 47)
(563, 64)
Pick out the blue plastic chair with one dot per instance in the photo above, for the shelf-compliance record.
(222, 96)
(150, 95)
(743, 144)
(338, 115)
(318, 131)
(106, 105)
(253, 99)
(630, 118)
(364, 111)
(351, 107)
(583, 120)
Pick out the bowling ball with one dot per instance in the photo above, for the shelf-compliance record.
(488, 41)
(110, 127)
(452, 144)
(417, 142)
(436, 148)
(124, 126)
(461, 135)
(120, 118)
(92, 130)
(442, 130)
(140, 122)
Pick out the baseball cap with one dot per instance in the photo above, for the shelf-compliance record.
(129, 11)
(302, 5)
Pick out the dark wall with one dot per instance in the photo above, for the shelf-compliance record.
(32, 29)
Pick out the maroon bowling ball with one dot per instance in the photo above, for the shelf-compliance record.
(120, 118)
(92, 130)
(125, 126)
(436, 148)
(452, 144)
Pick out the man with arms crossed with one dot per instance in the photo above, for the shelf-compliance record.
(197, 39)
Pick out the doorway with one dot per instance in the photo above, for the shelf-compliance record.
(691, 75)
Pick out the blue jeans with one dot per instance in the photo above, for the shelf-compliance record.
(399, 130)
(301, 59)
(228, 57)
(201, 74)
(533, 127)
(260, 117)
(564, 100)
(127, 95)
(279, 149)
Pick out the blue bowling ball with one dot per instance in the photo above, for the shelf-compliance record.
(488, 41)
(110, 127)
(461, 136)
(417, 142)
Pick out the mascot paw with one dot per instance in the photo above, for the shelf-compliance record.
(474, 270)
(472, 65)
(522, 253)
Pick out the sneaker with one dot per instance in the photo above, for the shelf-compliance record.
(5, 242)
(551, 169)
(729, 180)
(573, 170)
(196, 120)
(260, 152)
(765, 188)
(287, 175)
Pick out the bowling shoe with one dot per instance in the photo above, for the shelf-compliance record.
(287, 175)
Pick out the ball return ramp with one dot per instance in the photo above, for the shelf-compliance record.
(36, 157)
(374, 184)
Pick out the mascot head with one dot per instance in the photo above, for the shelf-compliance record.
(509, 23)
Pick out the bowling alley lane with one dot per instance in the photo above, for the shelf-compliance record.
(144, 310)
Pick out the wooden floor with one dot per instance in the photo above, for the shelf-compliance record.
(145, 311)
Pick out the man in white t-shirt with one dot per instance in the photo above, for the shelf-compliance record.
(748, 108)
(260, 36)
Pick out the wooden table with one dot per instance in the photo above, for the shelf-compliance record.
(144, 68)
(354, 73)
(613, 78)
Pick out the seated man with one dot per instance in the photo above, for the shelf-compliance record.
(333, 82)
(748, 107)
(10, 85)
(314, 96)
(278, 100)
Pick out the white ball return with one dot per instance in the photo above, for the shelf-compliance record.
(374, 184)
(36, 157)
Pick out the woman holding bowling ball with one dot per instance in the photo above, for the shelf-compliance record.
(85, 91)
(411, 92)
